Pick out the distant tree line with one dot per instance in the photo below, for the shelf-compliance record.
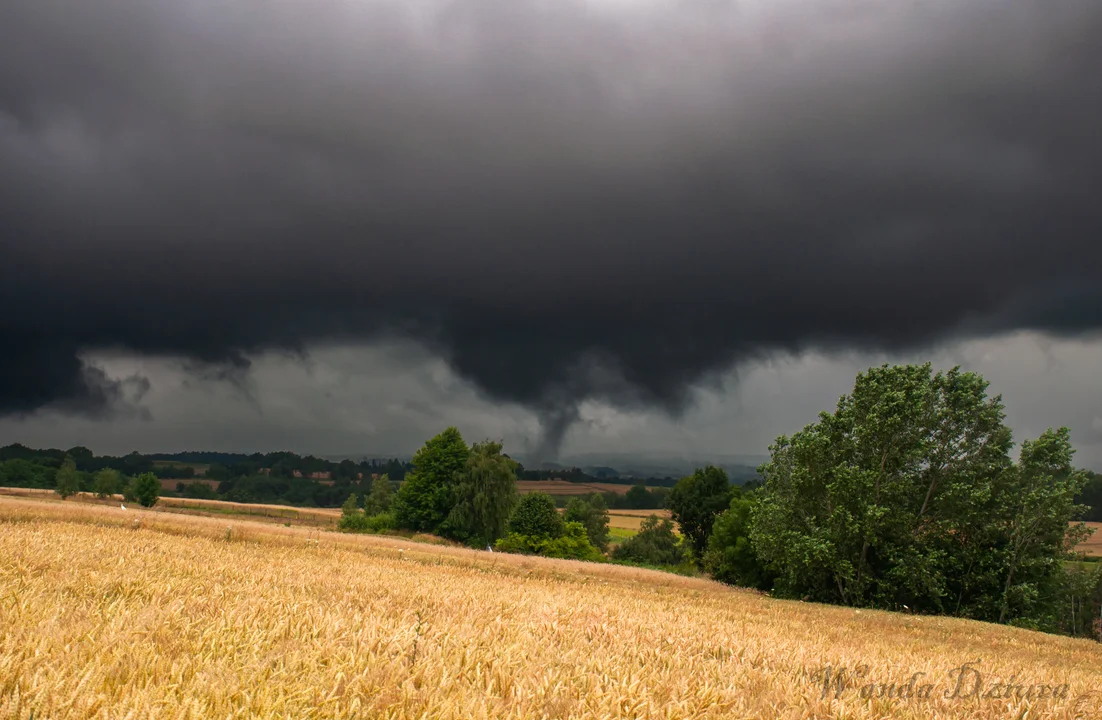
(261, 477)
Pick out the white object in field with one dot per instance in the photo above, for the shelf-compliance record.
(122, 506)
(489, 548)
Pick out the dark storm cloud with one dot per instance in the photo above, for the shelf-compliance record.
(564, 199)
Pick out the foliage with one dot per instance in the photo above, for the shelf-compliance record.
(655, 544)
(696, 501)
(485, 494)
(1038, 502)
(1091, 497)
(572, 544)
(535, 516)
(730, 557)
(21, 472)
(428, 494)
(907, 496)
(353, 519)
(379, 499)
(147, 488)
(68, 480)
(198, 490)
(592, 512)
(107, 482)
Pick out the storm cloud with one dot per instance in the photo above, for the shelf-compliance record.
(563, 200)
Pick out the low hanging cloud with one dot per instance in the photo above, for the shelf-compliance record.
(564, 200)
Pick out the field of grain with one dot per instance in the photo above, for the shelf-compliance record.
(318, 517)
(108, 613)
(632, 519)
(1093, 545)
(562, 487)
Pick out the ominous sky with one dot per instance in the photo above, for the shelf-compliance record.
(334, 225)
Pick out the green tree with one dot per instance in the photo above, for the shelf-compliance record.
(655, 544)
(107, 482)
(592, 512)
(147, 488)
(379, 499)
(1040, 502)
(426, 497)
(485, 494)
(907, 495)
(535, 516)
(1091, 497)
(352, 517)
(695, 503)
(67, 479)
(730, 557)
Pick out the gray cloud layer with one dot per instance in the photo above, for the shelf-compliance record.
(564, 200)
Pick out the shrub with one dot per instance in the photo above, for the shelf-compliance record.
(147, 488)
(730, 558)
(353, 519)
(573, 544)
(536, 517)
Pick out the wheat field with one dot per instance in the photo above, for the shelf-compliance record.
(106, 613)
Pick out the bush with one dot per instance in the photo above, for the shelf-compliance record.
(147, 488)
(380, 522)
(353, 519)
(573, 544)
(107, 483)
(535, 516)
(655, 544)
(730, 558)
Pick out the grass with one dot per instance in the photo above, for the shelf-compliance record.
(106, 613)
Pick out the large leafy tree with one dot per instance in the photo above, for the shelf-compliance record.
(592, 512)
(379, 499)
(695, 503)
(1037, 503)
(905, 495)
(68, 479)
(428, 493)
(107, 482)
(485, 493)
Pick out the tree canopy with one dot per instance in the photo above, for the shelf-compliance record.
(907, 496)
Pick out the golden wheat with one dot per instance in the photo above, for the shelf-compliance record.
(135, 614)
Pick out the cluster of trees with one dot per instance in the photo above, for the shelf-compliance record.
(68, 481)
(469, 494)
(535, 527)
(54, 470)
(906, 497)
